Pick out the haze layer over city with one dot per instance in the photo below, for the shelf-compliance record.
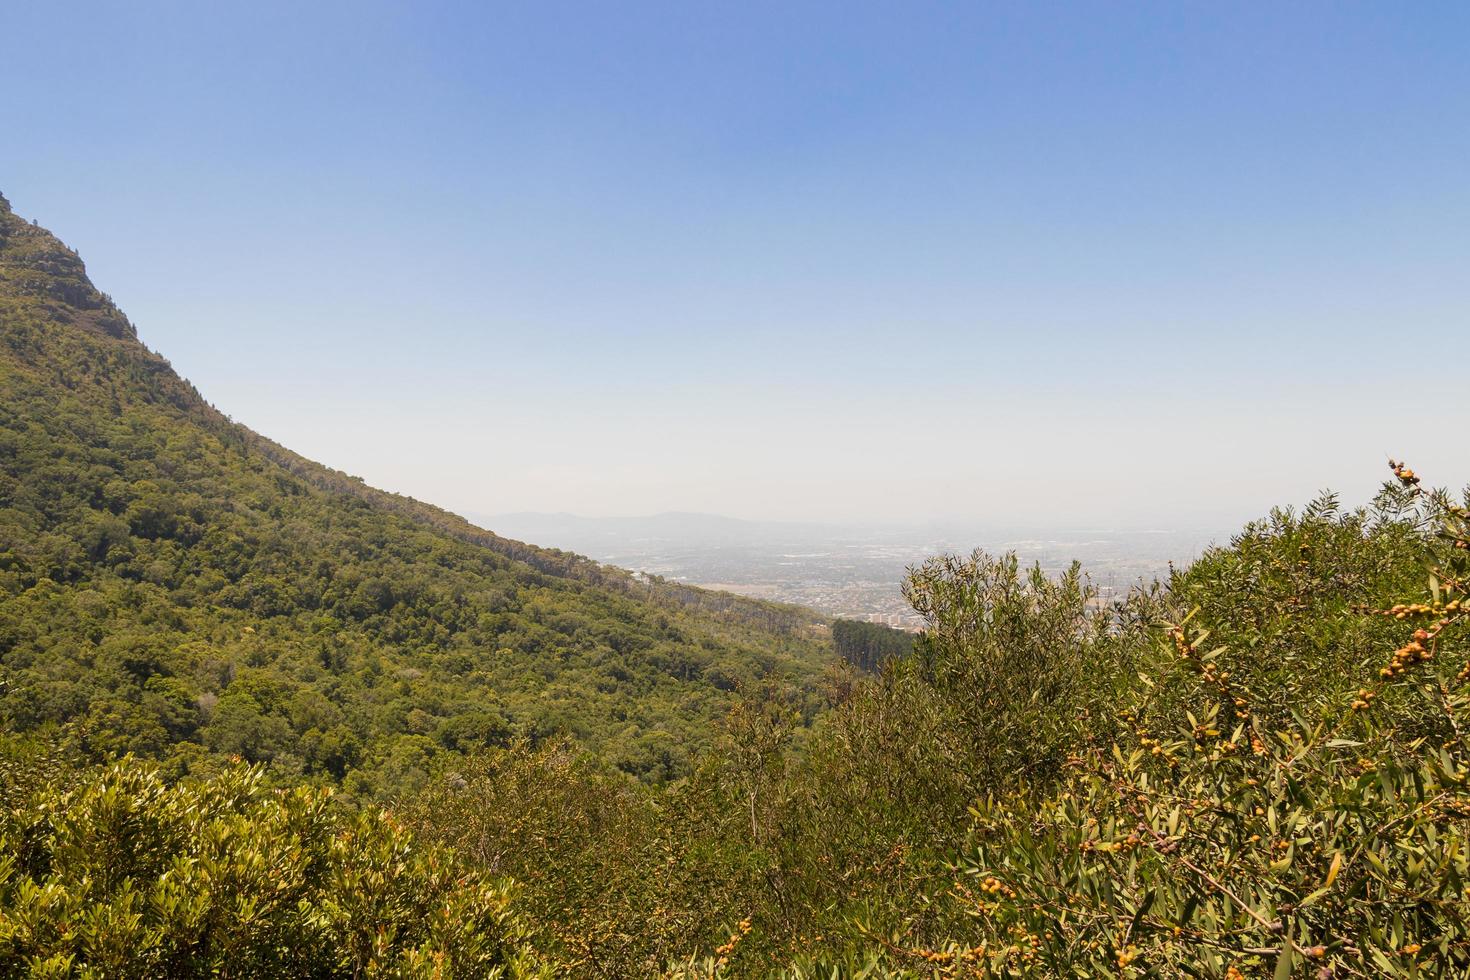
(850, 570)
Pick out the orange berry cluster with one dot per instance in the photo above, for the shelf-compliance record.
(1404, 610)
(1454, 809)
(939, 956)
(1220, 679)
(1025, 946)
(1154, 746)
(1406, 476)
(1111, 846)
(1406, 656)
(994, 886)
(723, 952)
(1365, 699)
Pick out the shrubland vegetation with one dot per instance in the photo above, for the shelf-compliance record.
(115, 873)
(1255, 768)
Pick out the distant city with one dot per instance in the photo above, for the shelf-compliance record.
(840, 570)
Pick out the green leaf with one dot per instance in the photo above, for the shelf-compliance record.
(1143, 907)
(1285, 961)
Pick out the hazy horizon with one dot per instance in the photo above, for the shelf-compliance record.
(1129, 267)
(851, 571)
(990, 523)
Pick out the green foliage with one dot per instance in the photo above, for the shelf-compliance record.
(1295, 801)
(589, 846)
(121, 875)
(1015, 661)
(1256, 769)
(1259, 767)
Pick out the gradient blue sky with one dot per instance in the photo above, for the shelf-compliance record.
(1118, 264)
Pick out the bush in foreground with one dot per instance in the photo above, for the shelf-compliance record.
(1288, 793)
(122, 875)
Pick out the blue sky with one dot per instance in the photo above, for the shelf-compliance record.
(1115, 264)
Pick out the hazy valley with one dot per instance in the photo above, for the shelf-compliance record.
(851, 571)
(263, 719)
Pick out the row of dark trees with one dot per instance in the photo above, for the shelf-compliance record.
(867, 645)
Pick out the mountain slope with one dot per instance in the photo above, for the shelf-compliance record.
(178, 586)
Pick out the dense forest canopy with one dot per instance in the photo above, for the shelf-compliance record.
(868, 646)
(263, 720)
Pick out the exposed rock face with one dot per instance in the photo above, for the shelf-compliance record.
(35, 267)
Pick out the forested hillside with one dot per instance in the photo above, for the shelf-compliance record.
(178, 587)
(220, 660)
